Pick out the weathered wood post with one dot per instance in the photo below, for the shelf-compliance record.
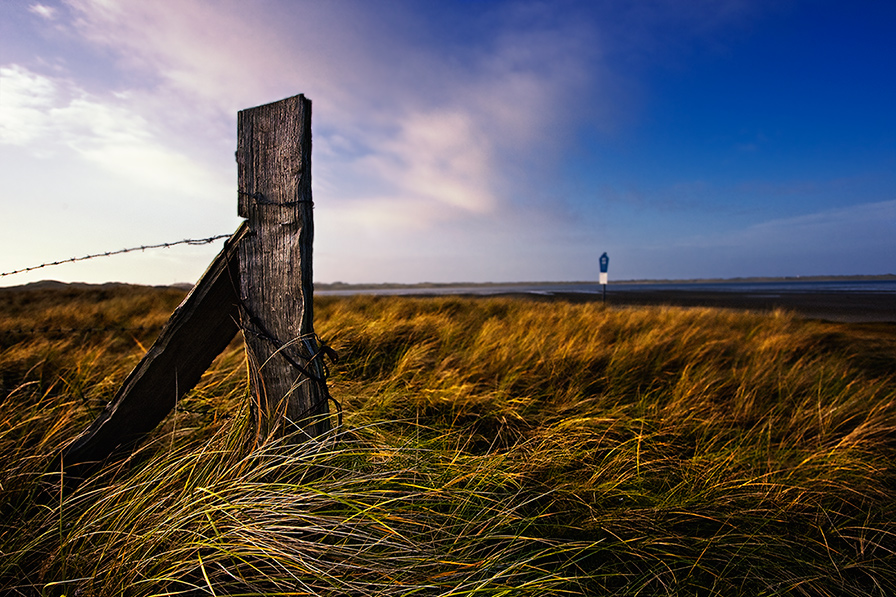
(287, 381)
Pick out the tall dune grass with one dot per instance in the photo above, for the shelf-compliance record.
(490, 447)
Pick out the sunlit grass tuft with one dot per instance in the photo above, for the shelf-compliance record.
(490, 447)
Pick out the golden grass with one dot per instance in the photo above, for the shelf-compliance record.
(490, 447)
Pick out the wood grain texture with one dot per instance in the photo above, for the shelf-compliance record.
(274, 181)
(199, 330)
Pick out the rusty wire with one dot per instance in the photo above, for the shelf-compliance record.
(187, 241)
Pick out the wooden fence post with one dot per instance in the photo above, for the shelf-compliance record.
(287, 381)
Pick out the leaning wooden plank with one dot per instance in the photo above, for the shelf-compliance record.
(199, 330)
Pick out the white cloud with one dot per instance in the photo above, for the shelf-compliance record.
(440, 159)
(25, 102)
(46, 12)
(45, 115)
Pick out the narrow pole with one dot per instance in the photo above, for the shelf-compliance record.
(287, 382)
(604, 265)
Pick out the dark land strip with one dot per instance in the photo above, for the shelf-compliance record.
(852, 307)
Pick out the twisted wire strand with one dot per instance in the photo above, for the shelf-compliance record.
(187, 241)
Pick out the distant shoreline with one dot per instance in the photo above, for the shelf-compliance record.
(343, 286)
(855, 306)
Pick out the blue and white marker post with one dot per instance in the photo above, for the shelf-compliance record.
(604, 263)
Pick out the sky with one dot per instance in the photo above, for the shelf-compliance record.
(458, 141)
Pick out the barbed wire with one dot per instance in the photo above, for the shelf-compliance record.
(186, 241)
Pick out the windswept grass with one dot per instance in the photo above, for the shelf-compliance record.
(490, 447)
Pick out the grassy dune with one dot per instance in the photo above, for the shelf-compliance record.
(489, 447)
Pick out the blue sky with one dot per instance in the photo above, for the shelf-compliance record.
(459, 141)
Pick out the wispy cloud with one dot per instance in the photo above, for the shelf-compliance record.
(45, 116)
(25, 105)
(41, 10)
(434, 133)
(869, 225)
(859, 239)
